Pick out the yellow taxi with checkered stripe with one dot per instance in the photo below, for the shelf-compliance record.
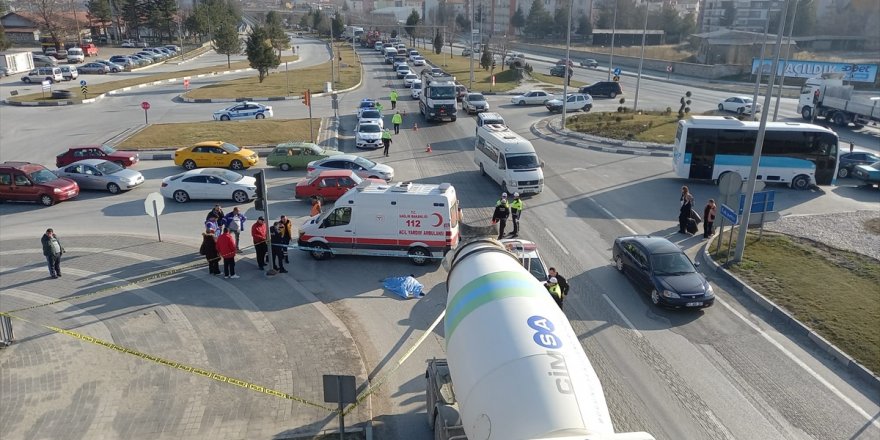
(216, 154)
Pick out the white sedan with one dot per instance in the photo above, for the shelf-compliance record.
(210, 184)
(418, 60)
(738, 104)
(244, 110)
(371, 117)
(534, 97)
(409, 79)
(416, 89)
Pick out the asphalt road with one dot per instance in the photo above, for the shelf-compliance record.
(722, 373)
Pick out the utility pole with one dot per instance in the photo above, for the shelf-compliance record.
(760, 65)
(613, 33)
(78, 27)
(567, 75)
(641, 57)
(785, 62)
(473, 16)
(759, 146)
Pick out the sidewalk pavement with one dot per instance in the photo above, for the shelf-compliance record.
(246, 333)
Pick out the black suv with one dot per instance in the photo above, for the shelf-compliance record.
(559, 70)
(602, 88)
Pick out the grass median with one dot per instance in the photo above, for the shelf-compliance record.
(834, 292)
(460, 68)
(242, 133)
(656, 127)
(97, 89)
(282, 83)
(573, 86)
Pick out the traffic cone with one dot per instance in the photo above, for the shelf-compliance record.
(428, 150)
(415, 127)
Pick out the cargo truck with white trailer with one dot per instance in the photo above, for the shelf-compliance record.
(515, 369)
(827, 97)
(437, 101)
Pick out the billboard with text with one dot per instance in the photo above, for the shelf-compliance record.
(810, 69)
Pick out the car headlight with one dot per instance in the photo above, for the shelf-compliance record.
(709, 290)
(670, 294)
(57, 190)
(131, 158)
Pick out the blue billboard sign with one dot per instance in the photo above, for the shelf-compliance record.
(761, 202)
(810, 69)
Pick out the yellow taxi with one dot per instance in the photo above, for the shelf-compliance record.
(217, 154)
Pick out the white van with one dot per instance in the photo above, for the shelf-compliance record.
(509, 159)
(390, 53)
(75, 55)
(412, 220)
(486, 118)
(40, 74)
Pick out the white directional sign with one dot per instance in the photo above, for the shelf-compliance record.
(159, 201)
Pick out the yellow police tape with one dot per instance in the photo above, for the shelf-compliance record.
(177, 365)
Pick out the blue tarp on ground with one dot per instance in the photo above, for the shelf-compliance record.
(405, 287)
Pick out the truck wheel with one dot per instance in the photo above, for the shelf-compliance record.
(320, 251)
(438, 428)
(419, 256)
(800, 182)
(840, 119)
(807, 113)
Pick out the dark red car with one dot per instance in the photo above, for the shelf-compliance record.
(329, 185)
(106, 152)
(30, 182)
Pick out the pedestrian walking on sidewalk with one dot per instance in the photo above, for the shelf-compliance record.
(235, 222)
(502, 212)
(278, 243)
(287, 232)
(259, 234)
(397, 119)
(226, 248)
(52, 250)
(209, 250)
(386, 141)
(709, 219)
(516, 207)
(393, 96)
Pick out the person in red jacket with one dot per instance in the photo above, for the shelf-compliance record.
(258, 232)
(226, 248)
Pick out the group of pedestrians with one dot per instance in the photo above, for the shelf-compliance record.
(688, 218)
(221, 240)
(505, 209)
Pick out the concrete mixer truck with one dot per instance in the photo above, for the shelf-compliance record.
(515, 369)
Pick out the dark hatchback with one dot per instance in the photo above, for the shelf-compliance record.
(660, 268)
(602, 88)
(848, 161)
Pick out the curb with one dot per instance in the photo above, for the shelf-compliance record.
(851, 365)
(262, 151)
(544, 130)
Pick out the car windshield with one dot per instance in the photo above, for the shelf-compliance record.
(230, 148)
(43, 176)
(536, 268)
(366, 163)
(368, 104)
(476, 97)
(370, 128)
(443, 92)
(108, 167)
(107, 149)
(371, 114)
(522, 162)
(671, 264)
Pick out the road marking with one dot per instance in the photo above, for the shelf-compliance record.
(558, 243)
(873, 421)
(801, 364)
(622, 316)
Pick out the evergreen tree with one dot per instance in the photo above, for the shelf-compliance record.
(260, 53)
(729, 14)
(410, 27)
(464, 25)
(99, 11)
(539, 22)
(438, 42)
(226, 41)
(486, 59)
(560, 19)
(518, 20)
(318, 21)
(161, 15)
(275, 29)
(4, 43)
(338, 25)
(805, 21)
(583, 25)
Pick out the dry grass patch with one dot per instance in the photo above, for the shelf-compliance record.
(460, 68)
(555, 80)
(276, 84)
(832, 291)
(241, 133)
(658, 127)
(98, 89)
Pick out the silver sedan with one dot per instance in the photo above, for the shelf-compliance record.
(102, 175)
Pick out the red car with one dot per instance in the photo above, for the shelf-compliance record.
(106, 152)
(329, 185)
(24, 181)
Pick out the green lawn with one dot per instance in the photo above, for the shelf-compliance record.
(97, 89)
(252, 133)
(460, 67)
(276, 84)
(833, 292)
(647, 127)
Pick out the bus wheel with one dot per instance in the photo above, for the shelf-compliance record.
(800, 182)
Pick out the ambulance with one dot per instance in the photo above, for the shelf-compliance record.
(418, 221)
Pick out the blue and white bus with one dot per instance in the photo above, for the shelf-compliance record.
(798, 154)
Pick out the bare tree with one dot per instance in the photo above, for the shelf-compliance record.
(48, 14)
(500, 46)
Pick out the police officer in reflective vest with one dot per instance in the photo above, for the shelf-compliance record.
(552, 286)
(502, 212)
(397, 119)
(386, 141)
(393, 97)
(516, 207)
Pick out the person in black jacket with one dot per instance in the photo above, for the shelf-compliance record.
(209, 250)
(560, 280)
(502, 212)
(278, 244)
(684, 212)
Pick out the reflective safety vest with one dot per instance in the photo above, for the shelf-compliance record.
(516, 205)
(397, 119)
(386, 134)
(555, 290)
(393, 96)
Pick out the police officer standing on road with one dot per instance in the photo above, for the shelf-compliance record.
(397, 119)
(386, 141)
(563, 283)
(393, 96)
(552, 286)
(502, 212)
(516, 207)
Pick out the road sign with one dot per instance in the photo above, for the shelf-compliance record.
(159, 201)
(729, 214)
(82, 82)
(761, 202)
(730, 183)
(186, 83)
(669, 68)
(617, 71)
(145, 105)
(46, 85)
(616, 78)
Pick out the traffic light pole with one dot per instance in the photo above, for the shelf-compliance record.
(262, 204)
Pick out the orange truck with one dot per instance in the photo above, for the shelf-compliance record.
(89, 49)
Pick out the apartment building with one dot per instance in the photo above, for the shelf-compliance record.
(747, 15)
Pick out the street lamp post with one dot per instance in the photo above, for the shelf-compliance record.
(760, 66)
(471, 80)
(613, 32)
(78, 27)
(566, 76)
(641, 58)
(785, 62)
